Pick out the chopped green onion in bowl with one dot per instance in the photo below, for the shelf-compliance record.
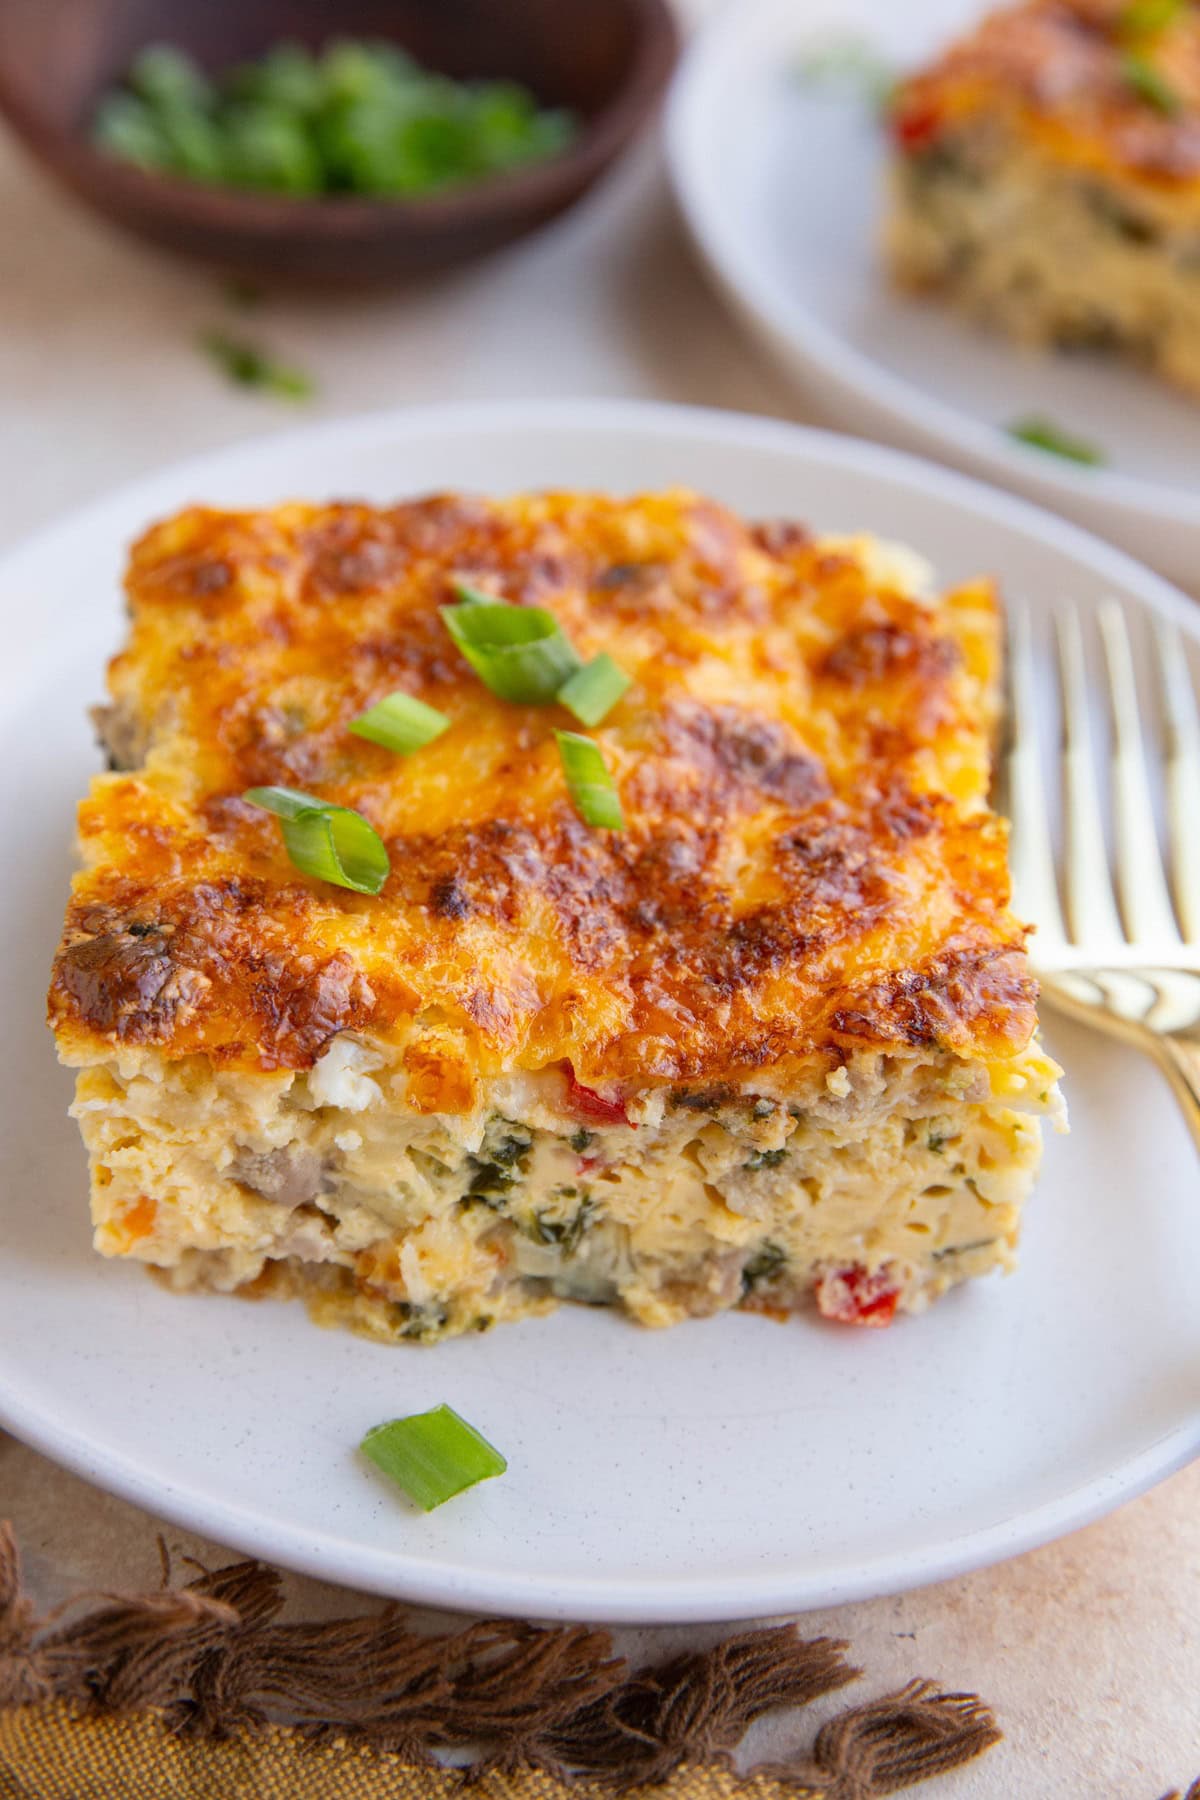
(592, 691)
(330, 843)
(1043, 434)
(400, 723)
(589, 781)
(433, 1455)
(520, 652)
(356, 118)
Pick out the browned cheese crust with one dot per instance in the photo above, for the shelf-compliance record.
(808, 864)
(1059, 73)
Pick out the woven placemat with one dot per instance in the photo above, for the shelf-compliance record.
(199, 1691)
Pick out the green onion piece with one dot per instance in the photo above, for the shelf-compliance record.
(594, 690)
(1149, 85)
(168, 77)
(593, 791)
(251, 367)
(473, 596)
(128, 127)
(400, 723)
(849, 62)
(1044, 435)
(432, 1455)
(358, 117)
(329, 842)
(1146, 18)
(520, 652)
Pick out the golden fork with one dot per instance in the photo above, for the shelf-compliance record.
(1127, 961)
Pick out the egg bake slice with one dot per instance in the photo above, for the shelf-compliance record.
(1047, 177)
(770, 1044)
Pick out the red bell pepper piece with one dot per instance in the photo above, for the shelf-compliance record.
(591, 1105)
(854, 1297)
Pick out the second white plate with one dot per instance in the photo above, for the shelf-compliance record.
(781, 182)
(728, 1468)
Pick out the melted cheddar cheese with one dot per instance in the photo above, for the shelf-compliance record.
(809, 866)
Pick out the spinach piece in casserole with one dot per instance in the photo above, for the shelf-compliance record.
(765, 1159)
(495, 1170)
(962, 1249)
(764, 1267)
(566, 1232)
(424, 1323)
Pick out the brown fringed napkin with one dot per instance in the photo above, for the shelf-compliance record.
(197, 1692)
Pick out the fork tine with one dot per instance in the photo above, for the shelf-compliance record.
(1145, 899)
(1031, 855)
(1090, 904)
(1183, 774)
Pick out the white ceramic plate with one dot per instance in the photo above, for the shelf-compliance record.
(729, 1468)
(781, 183)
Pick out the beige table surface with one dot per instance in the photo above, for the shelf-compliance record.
(1089, 1649)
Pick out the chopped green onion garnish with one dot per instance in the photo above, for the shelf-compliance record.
(1044, 435)
(594, 690)
(400, 723)
(593, 791)
(1146, 18)
(850, 62)
(329, 842)
(432, 1455)
(1149, 84)
(521, 652)
(473, 596)
(251, 367)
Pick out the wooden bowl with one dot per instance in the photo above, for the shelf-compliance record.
(609, 60)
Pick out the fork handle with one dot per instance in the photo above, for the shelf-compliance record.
(1180, 1057)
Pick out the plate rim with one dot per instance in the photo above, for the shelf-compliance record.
(635, 1602)
(630, 1600)
(861, 382)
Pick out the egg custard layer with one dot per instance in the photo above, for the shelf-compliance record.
(770, 1045)
(1047, 178)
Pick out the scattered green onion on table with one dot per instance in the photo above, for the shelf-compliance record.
(248, 365)
(356, 118)
(1044, 434)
